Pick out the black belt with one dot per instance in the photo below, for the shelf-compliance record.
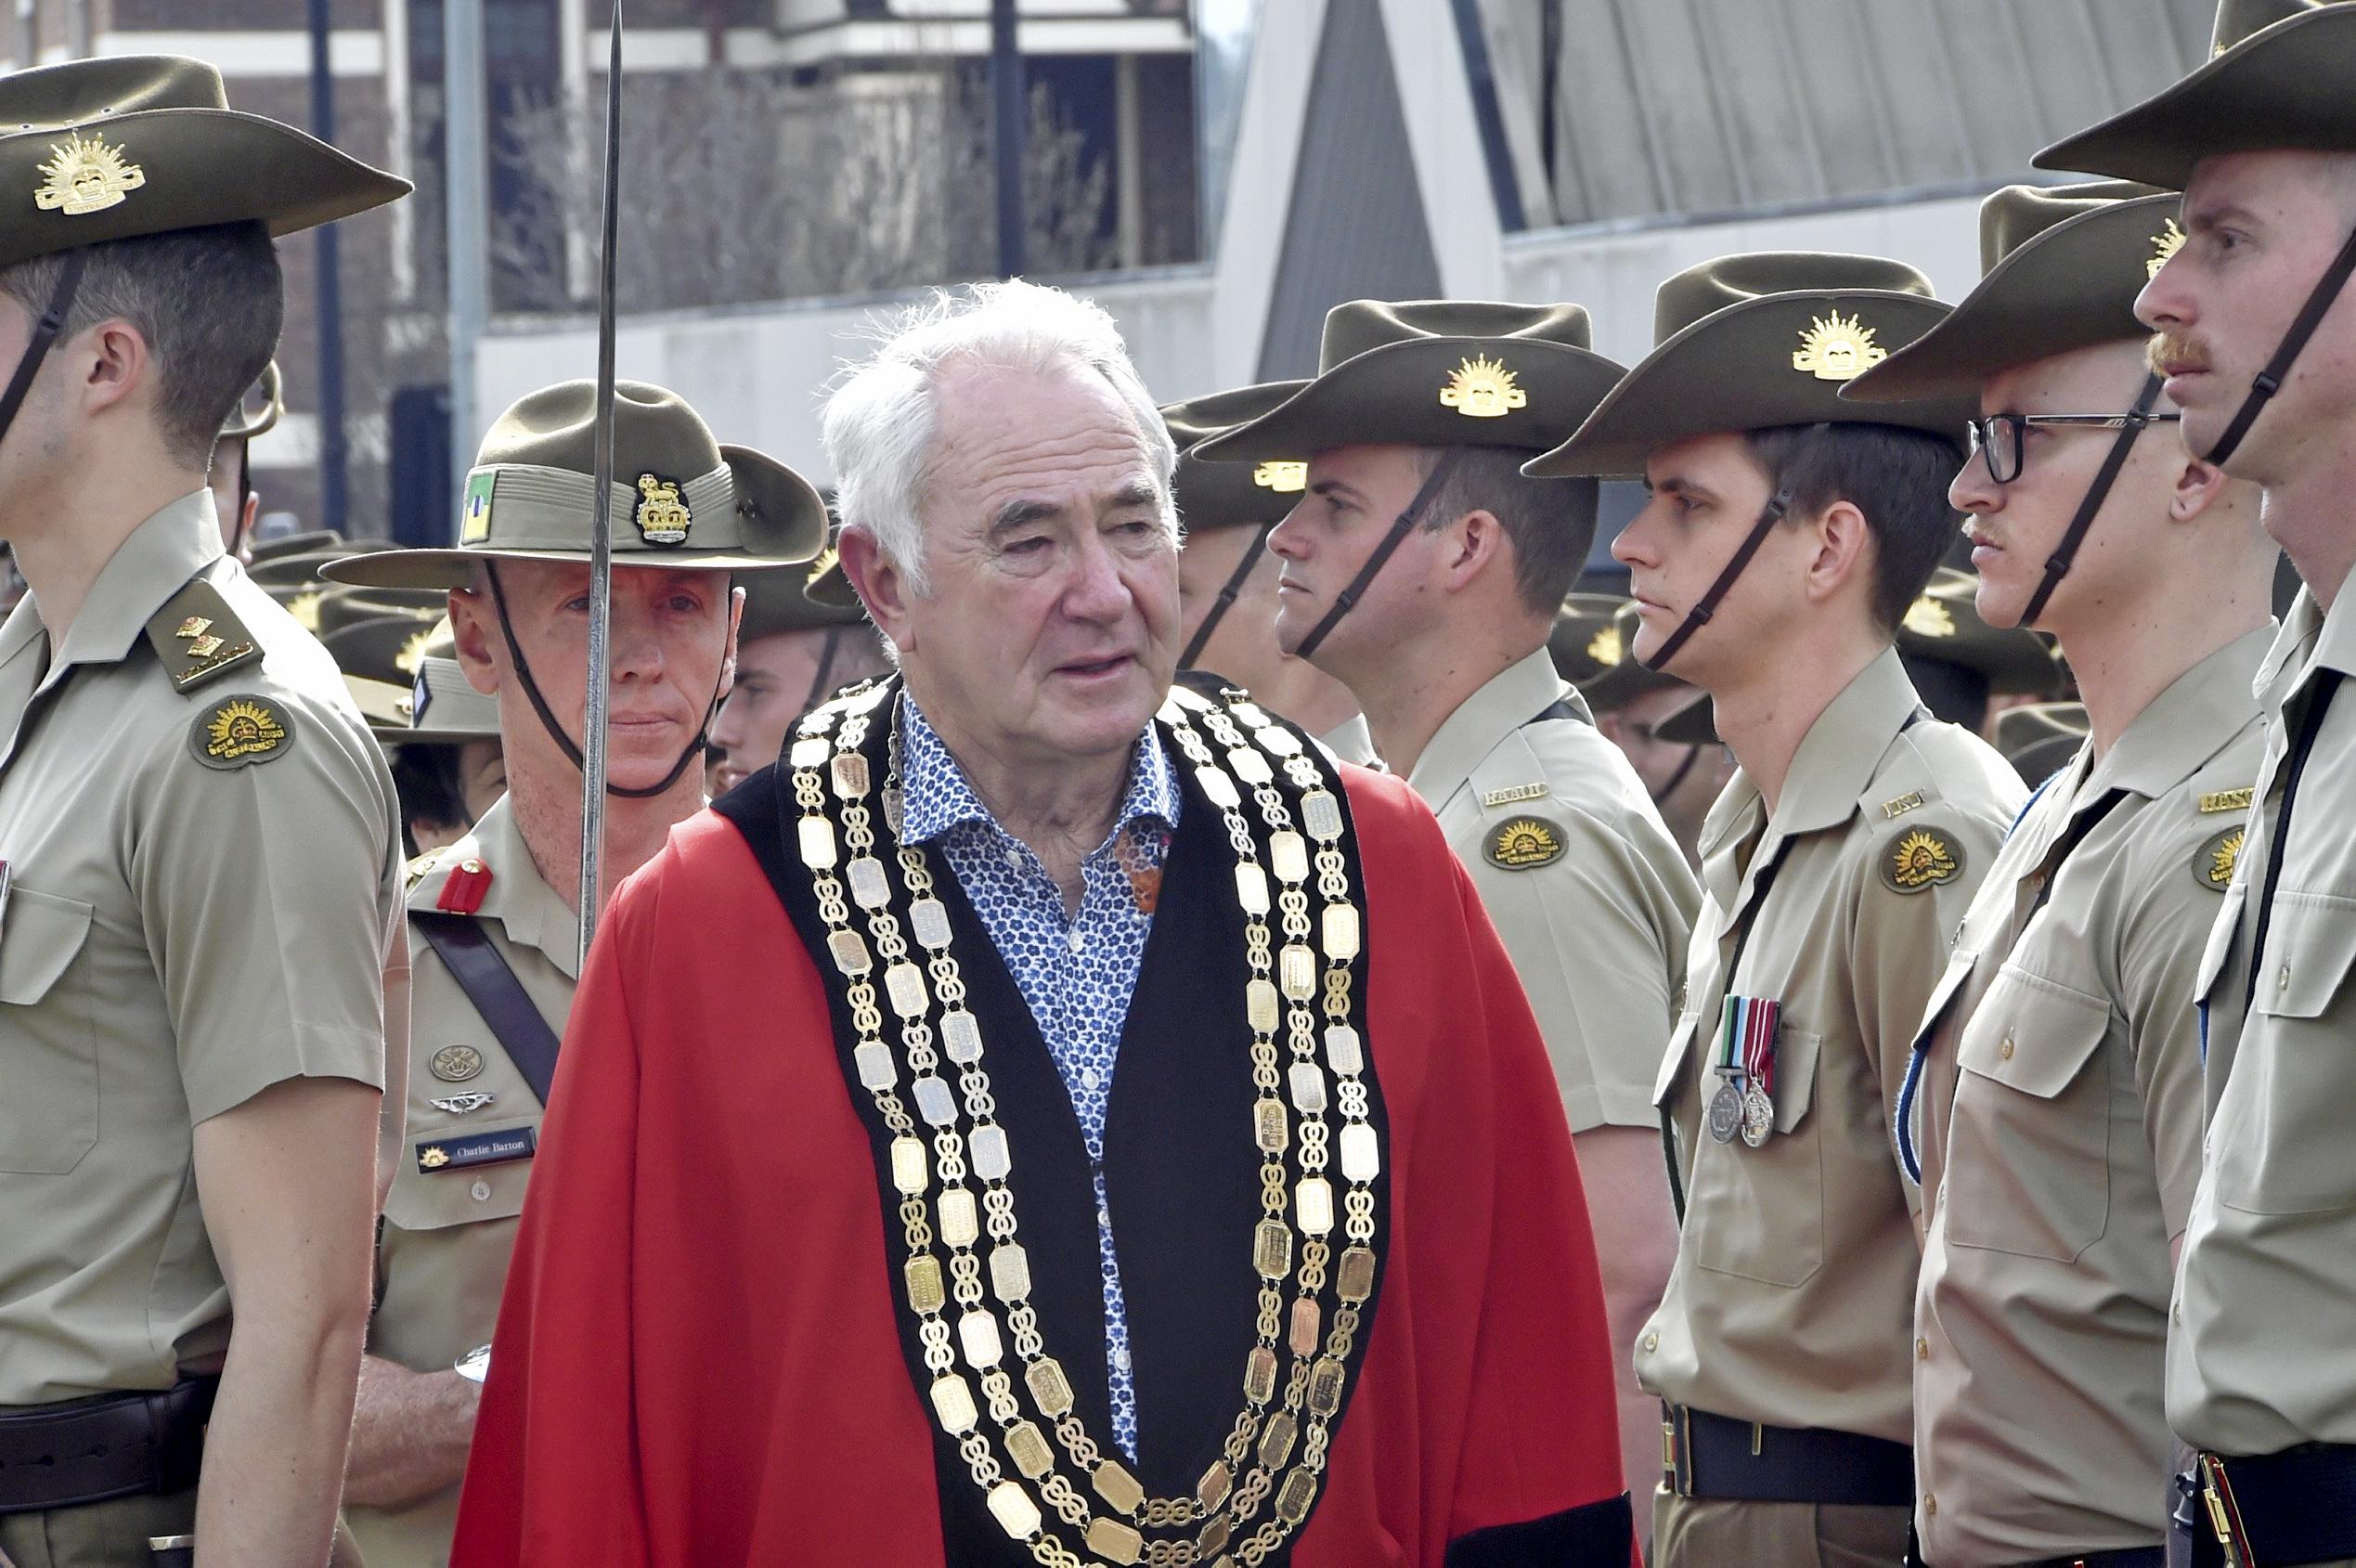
(120, 1446)
(2277, 1509)
(1707, 1455)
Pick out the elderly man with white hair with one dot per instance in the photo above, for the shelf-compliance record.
(1055, 1115)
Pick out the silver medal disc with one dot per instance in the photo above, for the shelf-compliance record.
(1726, 1112)
(1758, 1117)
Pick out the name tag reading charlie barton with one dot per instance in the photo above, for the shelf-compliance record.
(477, 1148)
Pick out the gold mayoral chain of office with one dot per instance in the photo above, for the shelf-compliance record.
(1295, 1372)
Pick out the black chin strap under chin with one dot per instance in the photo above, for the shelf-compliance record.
(2269, 380)
(556, 732)
(44, 336)
(2057, 566)
(1348, 597)
(1699, 616)
(1226, 599)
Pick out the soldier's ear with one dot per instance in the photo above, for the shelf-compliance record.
(2198, 485)
(471, 629)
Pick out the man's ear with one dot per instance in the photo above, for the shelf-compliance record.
(1843, 548)
(2196, 488)
(1471, 542)
(735, 620)
(472, 628)
(111, 363)
(879, 581)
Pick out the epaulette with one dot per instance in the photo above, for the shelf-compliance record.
(464, 889)
(197, 636)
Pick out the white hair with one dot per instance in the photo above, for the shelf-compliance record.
(879, 418)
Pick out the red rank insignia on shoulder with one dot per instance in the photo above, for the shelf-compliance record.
(462, 893)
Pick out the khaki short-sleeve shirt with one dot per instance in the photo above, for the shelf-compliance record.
(2265, 1310)
(1588, 891)
(203, 860)
(2069, 1054)
(473, 1124)
(1792, 1294)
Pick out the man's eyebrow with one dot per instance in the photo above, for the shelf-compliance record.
(1337, 489)
(1678, 485)
(1137, 492)
(2213, 214)
(1020, 513)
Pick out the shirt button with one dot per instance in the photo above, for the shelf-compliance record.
(1013, 858)
(1075, 941)
(2282, 981)
(1104, 1218)
(1120, 1358)
(1929, 1506)
(1089, 1077)
(2005, 1050)
(480, 1191)
(1921, 1350)
(1652, 1341)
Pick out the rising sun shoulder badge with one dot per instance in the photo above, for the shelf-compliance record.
(240, 731)
(2213, 861)
(2165, 245)
(1524, 844)
(1923, 857)
(85, 175)
(1482, 388)
(1838, 348)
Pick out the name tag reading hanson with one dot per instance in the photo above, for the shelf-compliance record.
(477, 1148)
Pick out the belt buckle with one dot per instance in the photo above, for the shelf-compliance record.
(2224, 1512)
(1676, 1449)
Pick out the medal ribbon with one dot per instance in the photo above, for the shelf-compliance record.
(1760, 1019)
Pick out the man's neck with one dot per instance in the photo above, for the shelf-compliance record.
(548, 815)
(2314, 519)
(1062, 808)
(1765, 711)
(1412, 689)
(1297, 689)
(2129, 653)
(62, 539)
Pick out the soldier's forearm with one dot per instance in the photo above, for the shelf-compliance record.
(409, 1434)
(273, 1452)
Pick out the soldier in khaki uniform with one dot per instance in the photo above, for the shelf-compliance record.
(439, 734)
(2254, 330)
(793, 650)
(493, 925)
(1786, 537)
(1423, 571)
(2060, 1035)
(200, 972)
(1228, 579)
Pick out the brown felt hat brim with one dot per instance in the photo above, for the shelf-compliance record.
(198, 167)
(2291, 85)
(1732, 371)
(2072, 286)
(1390, 396)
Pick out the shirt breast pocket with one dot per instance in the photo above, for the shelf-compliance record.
(48, 1037)
(2281, 1142)
(444, 1180)
(2028, 1165)
(1758, 1214)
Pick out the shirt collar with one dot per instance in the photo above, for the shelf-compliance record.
(936, 795)
(1511, 698)
(519, 896)
(153, 564)
(2309, 640)
(2197, 716)
(1842, 750)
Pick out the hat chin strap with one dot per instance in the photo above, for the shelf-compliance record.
(828, 648)
(2057, 566)
(2269, 380)
(1226, 599)
(556, 732)
(44, 336)
(1348, 598)
(1699, 616)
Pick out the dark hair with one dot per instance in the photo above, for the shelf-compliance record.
(426, 779)
(1551, 522)
(1897, 477)
(208, 300)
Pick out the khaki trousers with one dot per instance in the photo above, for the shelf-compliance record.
(110, 1534)
(1714, 1533)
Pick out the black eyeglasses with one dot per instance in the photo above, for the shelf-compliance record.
(1999, 439)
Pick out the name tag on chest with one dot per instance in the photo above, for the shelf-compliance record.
(477, 1148)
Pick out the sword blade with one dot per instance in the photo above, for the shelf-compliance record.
(600, 513)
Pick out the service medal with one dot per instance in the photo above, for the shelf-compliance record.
(1758, 1117)
(1726, 1112)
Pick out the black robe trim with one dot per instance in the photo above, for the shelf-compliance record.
(1182, 1172)
(1597, 1535)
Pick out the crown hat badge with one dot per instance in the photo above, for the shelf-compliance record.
(1837, 348)
(662, 516)
(1482, 388)
(1284, 478)
(83, 175)
(1607, 647)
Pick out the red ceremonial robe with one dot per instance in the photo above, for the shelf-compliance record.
(702, 1358)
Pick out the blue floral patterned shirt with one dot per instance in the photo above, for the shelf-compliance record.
(1075, 972)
